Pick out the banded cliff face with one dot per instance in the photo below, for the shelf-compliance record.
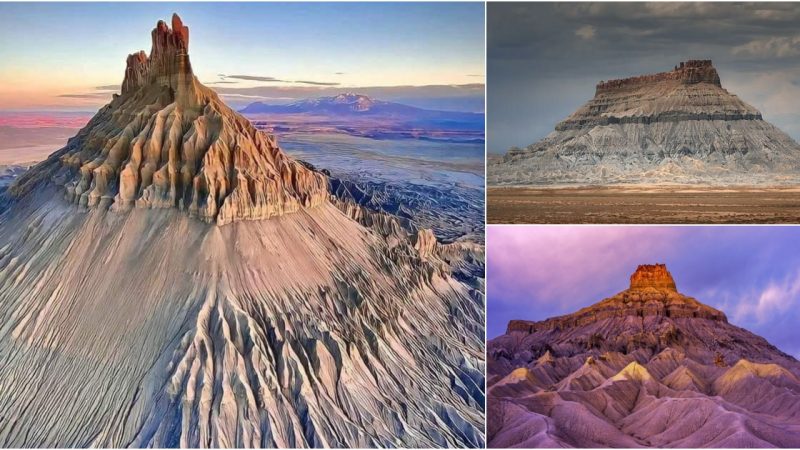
(652, 294)
(167, 141)
(648, 367)
(679, 126)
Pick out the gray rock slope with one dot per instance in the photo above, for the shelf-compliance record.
(677, 127)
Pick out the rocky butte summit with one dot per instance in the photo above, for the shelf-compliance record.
(676, 127)
(172, 278)
(648, 367)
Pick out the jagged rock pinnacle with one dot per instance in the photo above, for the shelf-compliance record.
(168, 141)
(653, 276)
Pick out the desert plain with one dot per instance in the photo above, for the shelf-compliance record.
(624, 204)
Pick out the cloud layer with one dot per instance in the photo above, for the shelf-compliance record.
(750, 273)
(544, 59)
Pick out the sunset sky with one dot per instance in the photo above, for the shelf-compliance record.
(72, 55)
(751, 273)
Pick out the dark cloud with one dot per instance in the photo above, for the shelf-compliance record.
(108, 87)
(222, 82)
(339, 73)
(543, 59)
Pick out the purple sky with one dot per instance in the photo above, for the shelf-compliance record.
(751, 273)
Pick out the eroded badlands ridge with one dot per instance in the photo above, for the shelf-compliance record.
(168, 141)
(679, 126)
(334, 326)
(648, 367)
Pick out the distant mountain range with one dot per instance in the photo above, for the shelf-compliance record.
(357, 106)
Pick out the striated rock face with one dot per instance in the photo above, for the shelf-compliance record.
(648, 367)
(690, 72)
(167, 141)
(680, 126)
(652, 294)
(654, 276)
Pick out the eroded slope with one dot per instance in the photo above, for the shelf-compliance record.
(648, 367)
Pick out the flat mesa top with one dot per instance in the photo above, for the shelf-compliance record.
(687, 72)
(653, 276)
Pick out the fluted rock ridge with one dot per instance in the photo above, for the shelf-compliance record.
(168, 141)
(679, 127)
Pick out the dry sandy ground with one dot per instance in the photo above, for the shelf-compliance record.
(644, 204)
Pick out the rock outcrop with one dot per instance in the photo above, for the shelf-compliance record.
(680, 126)
(648, 367)
(652, 293)
(167, 141)
(654, 276)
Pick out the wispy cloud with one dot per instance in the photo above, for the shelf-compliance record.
(253, 78)
(774, 47)
(89, 96)
(317, 83)
(774, 299)
(586, 32)
(108, 87)
(278, 80)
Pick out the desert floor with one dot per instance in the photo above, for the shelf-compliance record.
(644, 204)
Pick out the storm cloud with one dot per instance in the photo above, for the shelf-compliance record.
(544, 59)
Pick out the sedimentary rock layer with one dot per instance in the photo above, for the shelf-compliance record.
(680, 126)
(647, 367)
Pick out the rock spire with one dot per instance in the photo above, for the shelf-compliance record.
(167, 141)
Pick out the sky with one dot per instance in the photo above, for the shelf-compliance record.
(751, 273)
(544, 59)
(71, 56)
